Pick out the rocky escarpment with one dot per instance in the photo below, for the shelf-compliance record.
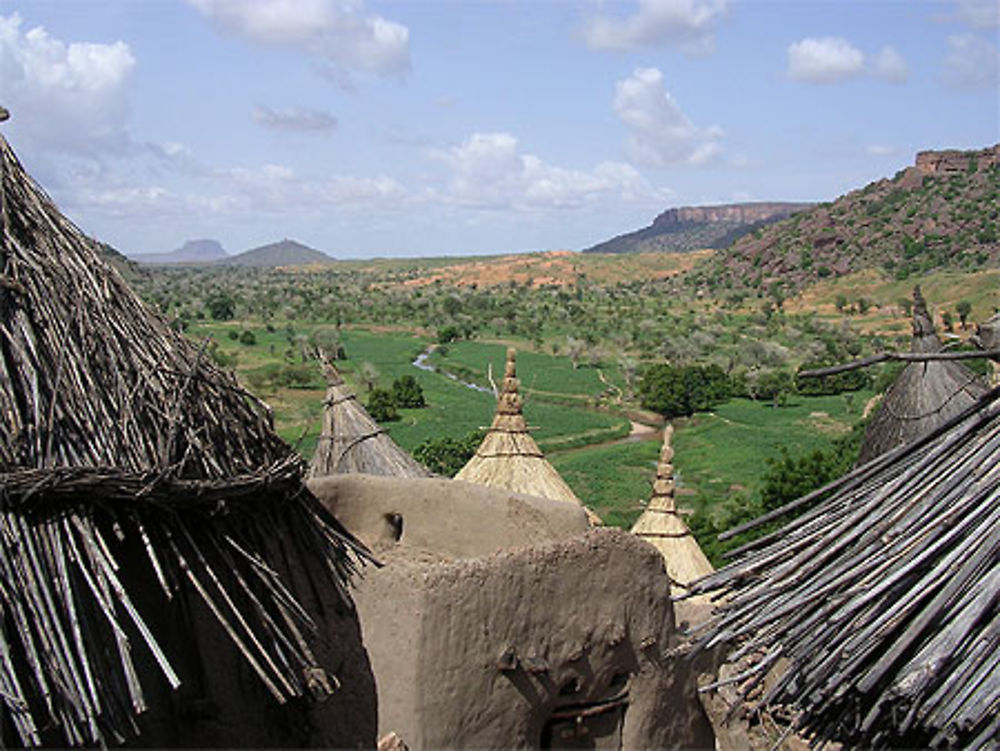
(941, 213)
(688, 228)
(953, 161)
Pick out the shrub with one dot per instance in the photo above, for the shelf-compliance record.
(407, 393)
(679, 392)
(248, 338)
(381, 407)
(445, 456)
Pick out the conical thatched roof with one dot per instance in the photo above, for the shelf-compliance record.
(925, 394)
(662, 527)
(352, 441)
(882, 602)
(125, 456)
(509, 458)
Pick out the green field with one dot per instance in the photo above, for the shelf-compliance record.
(717, 454)
(452, 409)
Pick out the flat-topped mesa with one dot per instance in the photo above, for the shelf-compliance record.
(662, 527)
(509, 458)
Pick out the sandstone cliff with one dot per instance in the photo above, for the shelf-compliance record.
(688, 228)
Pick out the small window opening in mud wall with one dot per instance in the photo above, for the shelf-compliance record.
(592, 724)
(394, 526)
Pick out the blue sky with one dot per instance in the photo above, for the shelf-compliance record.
(444, 127)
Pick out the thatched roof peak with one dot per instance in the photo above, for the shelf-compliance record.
(509, 458)
(351, 440)
(662, 526)
(924, 395)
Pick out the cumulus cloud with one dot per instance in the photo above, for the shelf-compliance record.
(278, 188)
(70, 96)
(972, 62)
(824, 60)
(979, 14)
(890, 65)
(489, 171)
(660, 133)
(308, 120)
(688, 24)
(338, 33)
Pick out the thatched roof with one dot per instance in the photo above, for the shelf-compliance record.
(661, 526)
(118, 435)
(509, 458)
(880, 606)
(924, 395)
(352, 441)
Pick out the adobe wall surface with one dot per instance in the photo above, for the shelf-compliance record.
(449, 517)
(481, 653)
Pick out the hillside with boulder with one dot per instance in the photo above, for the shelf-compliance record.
(689, 228)
(941, 213)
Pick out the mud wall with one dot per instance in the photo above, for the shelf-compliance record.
(484, 653)
(448, 517)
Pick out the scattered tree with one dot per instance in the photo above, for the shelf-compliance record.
(407, 393)
(381, 407)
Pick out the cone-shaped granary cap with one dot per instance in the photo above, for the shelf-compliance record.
(508, 457)
(352, 442)
(661, 526)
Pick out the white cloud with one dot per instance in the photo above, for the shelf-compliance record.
(689, 24)
(979, 14)
(294, 119)
(660, 133)
(339, 33)
(972, 62)
(278, 188)
(824, 60)
(69, 97)
(876, 149)
(489, 171)
(890, 65)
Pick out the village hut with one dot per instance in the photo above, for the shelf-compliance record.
(924, 395)
(148, 512)
(874, 616)
(351, 441)
(662, 526)
(509, 457)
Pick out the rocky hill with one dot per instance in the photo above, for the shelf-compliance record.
(943, 212)
(283, 253)
(193, 251)
(688, 228)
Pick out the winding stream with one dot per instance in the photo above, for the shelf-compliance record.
(421, 363)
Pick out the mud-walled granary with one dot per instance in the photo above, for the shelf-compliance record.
(502, 620)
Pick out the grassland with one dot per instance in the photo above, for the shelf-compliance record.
(717, 454)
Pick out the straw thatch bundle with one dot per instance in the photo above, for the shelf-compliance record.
(879, 608)
(351, 441)
(661, 526)
(509, 458)
(129, 462)
(924, 395)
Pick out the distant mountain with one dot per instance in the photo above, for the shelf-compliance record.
(941, 213)
(283, 253)
(698, 227)
(193, 251)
